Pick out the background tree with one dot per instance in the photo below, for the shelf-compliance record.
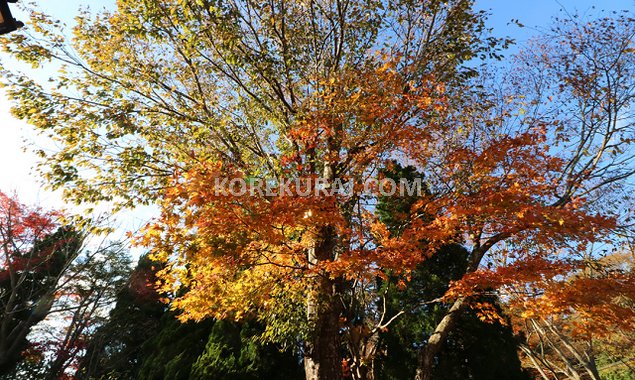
(116, 348)
(235, 352)
(142, 340)
(565, 332)
(87, 293)
(172, 351)
(36, 253)
(576, 82)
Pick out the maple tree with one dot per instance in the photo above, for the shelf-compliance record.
(166, 86)
(176, 95)
(242, 254)
(589, 106)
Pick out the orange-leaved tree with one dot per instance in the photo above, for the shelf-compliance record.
(240, 249)
(497, 175)
(568, 321)
(190, 103)
(157, 90)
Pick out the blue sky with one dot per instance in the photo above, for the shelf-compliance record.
(537, 14)
(16, 172)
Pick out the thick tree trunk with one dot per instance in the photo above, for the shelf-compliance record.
(428, 354)
(322, 360)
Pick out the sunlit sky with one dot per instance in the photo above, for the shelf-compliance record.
(17, 164)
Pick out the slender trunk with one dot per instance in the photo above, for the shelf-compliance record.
(12, 344)
(570, 368)
(435, 343)
(428, 354)
(592, 366)
(362, 346)
(534, 361)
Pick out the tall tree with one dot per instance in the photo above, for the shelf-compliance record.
(176, 95)
(168, 85)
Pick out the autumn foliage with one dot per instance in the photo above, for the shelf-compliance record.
(526, 168)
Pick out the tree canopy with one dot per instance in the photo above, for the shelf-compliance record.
(525, 169)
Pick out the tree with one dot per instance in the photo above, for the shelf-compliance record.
(577, 82)
(565, 330)
(476, 348)
(49, 278)
(234, 352)
(172, 351)
(168, 85)
(177, 95)
(36, 254)
(143, 340)
(86, 294)
(116, 348)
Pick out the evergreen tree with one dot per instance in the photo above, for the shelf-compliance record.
(170, 354)
(232, 353)
(116, 348)
(142, 340)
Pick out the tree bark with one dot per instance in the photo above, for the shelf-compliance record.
(435, 343)
(322, 360)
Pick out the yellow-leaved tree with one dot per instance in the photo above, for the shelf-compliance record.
(187, 104)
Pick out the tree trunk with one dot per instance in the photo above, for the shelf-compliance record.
(428, 354)
(12, 344)
(322, 359)
(11, 348)
(430, 351)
